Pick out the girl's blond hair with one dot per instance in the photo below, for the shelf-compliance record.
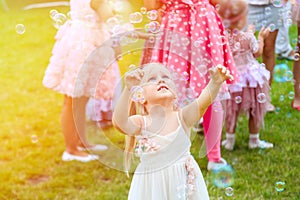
(130, 141)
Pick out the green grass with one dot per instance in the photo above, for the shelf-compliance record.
(32, 142)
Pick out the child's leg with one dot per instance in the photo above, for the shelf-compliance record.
(254, 126)
(212, 124)
(254, 141)
(79, 106)
(269, 59)
(231, 117)
(69, 128)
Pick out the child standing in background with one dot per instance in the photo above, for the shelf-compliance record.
(68, 72)
(250, 94)
(192, 41)
(166, 166)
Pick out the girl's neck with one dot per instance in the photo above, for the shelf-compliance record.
(158, 111)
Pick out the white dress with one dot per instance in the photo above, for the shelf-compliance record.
(167, 170)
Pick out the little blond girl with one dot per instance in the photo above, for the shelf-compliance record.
(166, 169)
(250, 94)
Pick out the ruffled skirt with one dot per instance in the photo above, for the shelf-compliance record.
(81, 59)
(250, 101)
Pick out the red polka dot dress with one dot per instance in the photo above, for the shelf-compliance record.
(192, 40)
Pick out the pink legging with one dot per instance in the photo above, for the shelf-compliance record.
(212, 124)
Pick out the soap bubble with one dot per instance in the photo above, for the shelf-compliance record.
(229, 191)
(34, 139)
(135, 17)
(291, 95)
(20, 29)
(281, 73)
(279, 186)
(223, 176)
(238, 99)
(278, 3)
(261, 98)
(59, 19)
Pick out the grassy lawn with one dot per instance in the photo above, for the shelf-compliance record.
(32, 142)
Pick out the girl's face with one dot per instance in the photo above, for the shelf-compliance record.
(157, 84)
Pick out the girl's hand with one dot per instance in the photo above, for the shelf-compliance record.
(133, 77)
(264, 32)
(219, 74)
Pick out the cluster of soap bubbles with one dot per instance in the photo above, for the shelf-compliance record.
(152, 25)
(123, 32)
(58, 19)
(260, 97)
(223, 177)
(290, 95)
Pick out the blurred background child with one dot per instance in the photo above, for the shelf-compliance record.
(70, 74)
(250, 94)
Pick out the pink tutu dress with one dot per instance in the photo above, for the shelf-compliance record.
(81, 62)
(251, 93)
(192, 40)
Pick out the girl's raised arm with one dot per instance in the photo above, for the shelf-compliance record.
(122, 119)
(194, 111)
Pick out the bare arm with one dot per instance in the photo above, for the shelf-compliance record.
(122, 119)
(194, 111)
(221, 3)
(153, 4)
(214, 2)
(263, 33)
(102, 8)
(129, 125)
